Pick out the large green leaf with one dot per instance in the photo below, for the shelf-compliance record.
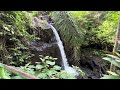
(107, 59)
(118, 54)
(38, 67)
(50, 62)
(116, 63)
(42, 75)
(113, 73)
(31, 66)
(51, 72)
(57, 67)
(118, 72)
(112, 56)
(3, 73)
(110, 77)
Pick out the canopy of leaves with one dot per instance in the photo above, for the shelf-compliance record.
(107, 29)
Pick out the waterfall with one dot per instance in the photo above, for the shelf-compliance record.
(66, 66)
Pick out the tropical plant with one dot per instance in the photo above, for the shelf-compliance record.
(3, 73)
(72, 34)
(78, 28)
(115, 60)
(46, 69)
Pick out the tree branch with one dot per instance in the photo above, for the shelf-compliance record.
(21, 73)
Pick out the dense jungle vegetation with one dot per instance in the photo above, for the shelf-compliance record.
(28, 48)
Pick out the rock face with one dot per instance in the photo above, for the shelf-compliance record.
(92, 65)
(45, 49)
(46, 46)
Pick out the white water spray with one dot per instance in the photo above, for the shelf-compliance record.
(66, 66)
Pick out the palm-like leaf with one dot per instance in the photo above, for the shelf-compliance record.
(68, 28)
(71, 33)
(115, 61)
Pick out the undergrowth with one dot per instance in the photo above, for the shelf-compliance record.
(45, 69)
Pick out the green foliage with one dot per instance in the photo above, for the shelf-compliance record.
(14, 26)
(34, 13)
(48, 70)
(97, 27)
(3, 73)
(16, 77)
(72, 34)
(88, 21)
(44, 70)
(15, 21)
(107, 29)
(79, 14)
(52, 71)
(86, 27)
(78, 28)
(68, 28)
(110, 77)
(115, 60)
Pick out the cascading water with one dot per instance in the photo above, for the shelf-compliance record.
(66, 66)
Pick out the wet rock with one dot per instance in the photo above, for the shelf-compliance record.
(46, 46)
(40, 22)
(45, 49)
(92, 65)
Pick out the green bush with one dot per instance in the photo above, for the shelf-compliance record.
(46, 69)
(107, 29)
(14, 36)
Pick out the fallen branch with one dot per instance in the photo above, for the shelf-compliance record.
(19, 72)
